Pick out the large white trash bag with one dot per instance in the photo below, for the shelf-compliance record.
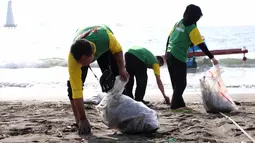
(94, 98)
(214, 93)
(120, 112)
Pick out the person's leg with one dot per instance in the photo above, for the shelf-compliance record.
(170, 68)
(69, 90)
(106, 60)
(139, 70)
(129, 87)
(178, 73)
(141, 83)
(113, 64)
(180, 85)
(129, 67)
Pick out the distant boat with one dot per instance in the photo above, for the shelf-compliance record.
(9, 17)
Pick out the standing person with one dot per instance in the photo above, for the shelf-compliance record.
(90, 44)
(183, 35)
(138, 59)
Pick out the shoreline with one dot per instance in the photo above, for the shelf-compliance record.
(154, 95)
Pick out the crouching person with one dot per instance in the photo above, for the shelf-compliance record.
(94, 43)
(138, 59)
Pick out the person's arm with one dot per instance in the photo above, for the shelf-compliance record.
(75, 73)
(120, 60)
(167, 42)
(160, 85)
(156, 69)
(204, 48)
(116, 50)
(197, 39)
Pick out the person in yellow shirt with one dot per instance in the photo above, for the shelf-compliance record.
(94, 43)
(138, 59)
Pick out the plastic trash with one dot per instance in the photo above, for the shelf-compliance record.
(215, 95)
(121, 112)
(94, 98)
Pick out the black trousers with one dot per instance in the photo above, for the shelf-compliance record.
(178, 74)
(103, 61)
(138, 69)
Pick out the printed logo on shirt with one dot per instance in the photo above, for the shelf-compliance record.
(179, 28)
(83, 34)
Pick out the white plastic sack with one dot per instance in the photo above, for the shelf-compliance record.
(94, 98)
(120, 112)
(214, 93)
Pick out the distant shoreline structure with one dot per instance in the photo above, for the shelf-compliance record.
(10, 26)
(9, 17)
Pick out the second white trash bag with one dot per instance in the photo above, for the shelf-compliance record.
(214, 93)
(120, 112)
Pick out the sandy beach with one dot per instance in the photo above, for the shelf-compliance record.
(51, 121)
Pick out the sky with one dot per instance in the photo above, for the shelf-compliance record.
(155, 12)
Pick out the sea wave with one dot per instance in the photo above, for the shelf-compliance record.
(96, 85)
(229, 62)
(61, 62)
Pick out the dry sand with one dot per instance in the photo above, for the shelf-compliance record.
(34, 121)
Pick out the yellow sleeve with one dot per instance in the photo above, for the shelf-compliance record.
(156, 69)
(114, 45)
(74, 69)
(171, 32)
(195, 37)
(172, 29)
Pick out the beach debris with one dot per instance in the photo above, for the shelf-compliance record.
(214, 93)
(120, 112)
(94, 99)
(171, 140)
(70, 129)
(59, 134)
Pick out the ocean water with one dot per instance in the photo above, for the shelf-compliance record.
(36, 57)
(33, 57)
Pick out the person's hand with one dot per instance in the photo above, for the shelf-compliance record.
(167, 100)
(84, 127)
(124, 74)
(214, 61)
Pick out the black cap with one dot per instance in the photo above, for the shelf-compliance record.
(107, 80)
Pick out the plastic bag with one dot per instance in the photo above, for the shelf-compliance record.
(95, 99)
(215, 95)
(120, 112)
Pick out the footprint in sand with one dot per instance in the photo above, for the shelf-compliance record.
(197, 139)
(203, 133)
(196, 127)
(21, 131)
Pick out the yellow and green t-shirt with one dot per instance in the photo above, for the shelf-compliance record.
(181, 38)
(102, 40)
(147, 57)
